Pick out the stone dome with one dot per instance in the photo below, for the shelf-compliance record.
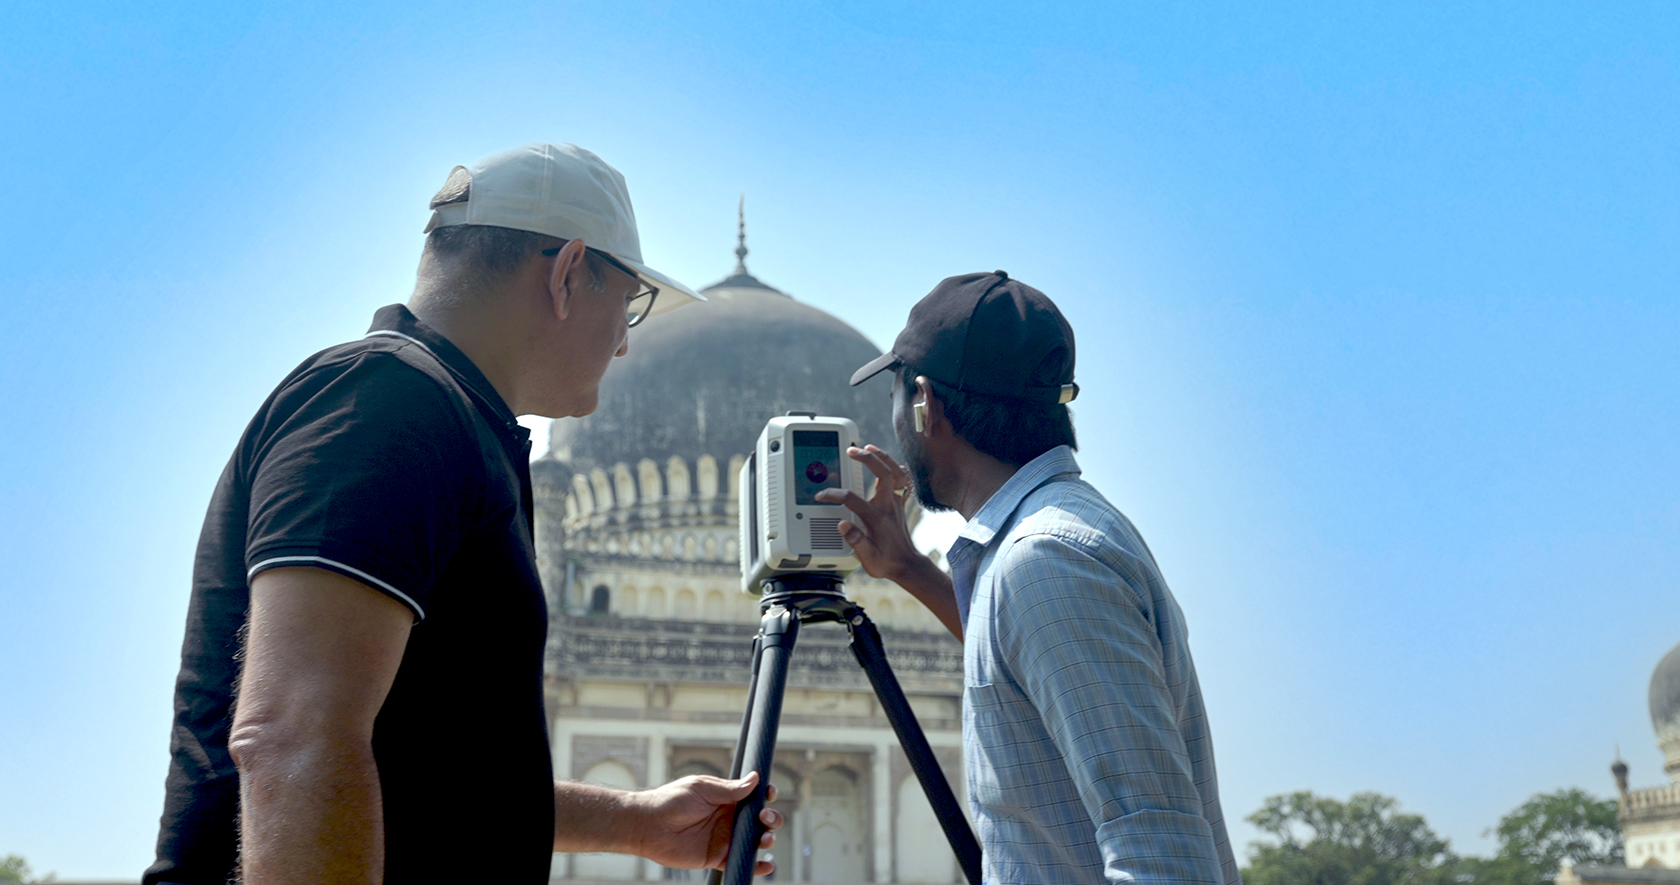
(703, 380)
(1665, 708)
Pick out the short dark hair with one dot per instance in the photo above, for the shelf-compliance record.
(492, 251)
(1010, 430)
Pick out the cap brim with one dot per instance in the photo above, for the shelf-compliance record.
(874, 367)
(672, 294)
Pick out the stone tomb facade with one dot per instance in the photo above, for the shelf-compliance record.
(651, 636)
(1650, 818)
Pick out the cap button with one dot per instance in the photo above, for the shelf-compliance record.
(1002, 275)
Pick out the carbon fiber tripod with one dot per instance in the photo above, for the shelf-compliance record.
(788, 602)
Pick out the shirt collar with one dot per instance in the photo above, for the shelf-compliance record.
(396, 321)
(995, 513)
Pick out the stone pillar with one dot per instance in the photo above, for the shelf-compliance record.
(801, 856)
(880, 773)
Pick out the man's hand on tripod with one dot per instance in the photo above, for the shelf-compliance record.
(686, 823)
(880, 536)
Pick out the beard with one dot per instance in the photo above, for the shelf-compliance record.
(916, 461)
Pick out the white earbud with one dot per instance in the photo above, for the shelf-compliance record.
(918, 411)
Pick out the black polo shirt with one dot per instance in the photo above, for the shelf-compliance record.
(391, 460)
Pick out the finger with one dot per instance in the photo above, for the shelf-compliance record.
(719, 790)
(888, 460)
(766, 841)
(770, 793)
(879, 463)
(853, 534)
(771, 818)
(765, 867)
(882, 466)
(852, 500)
(893, 480)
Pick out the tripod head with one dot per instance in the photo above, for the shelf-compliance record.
(778, 587)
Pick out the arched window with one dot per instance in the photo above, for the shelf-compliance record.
(585, 498)
(600, 600)
(735, 462)
(714, 609)
(649, 473)
(885, 613)
(603, 490)
(676, 478)
(708, 470)
(836, 821)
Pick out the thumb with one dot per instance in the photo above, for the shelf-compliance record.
(743, 788)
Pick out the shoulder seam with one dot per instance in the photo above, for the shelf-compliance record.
(346, 359)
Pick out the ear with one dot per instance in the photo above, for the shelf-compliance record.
(560, 288)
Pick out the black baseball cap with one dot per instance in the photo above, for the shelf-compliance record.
(988, 334)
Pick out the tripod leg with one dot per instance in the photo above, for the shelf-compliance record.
(715, 877)
(747, 714)
(866, 646)
(777, 633)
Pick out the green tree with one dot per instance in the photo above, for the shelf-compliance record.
(1490, 871)
(1550, 828)
(1364, 841)
(13, 868)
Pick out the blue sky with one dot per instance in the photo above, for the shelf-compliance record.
(1377, 313)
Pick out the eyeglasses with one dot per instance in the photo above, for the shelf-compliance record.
(639, 305)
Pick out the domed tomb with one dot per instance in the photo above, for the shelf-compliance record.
(1665, 709)
(703, 380)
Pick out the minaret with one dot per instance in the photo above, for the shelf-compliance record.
(1619, 769)
(741, 237)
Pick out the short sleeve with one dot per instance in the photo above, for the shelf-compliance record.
(368, 468)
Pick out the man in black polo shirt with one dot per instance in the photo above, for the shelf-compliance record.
(360, 695)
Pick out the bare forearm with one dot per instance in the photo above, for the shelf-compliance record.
(589, 818)
(311, 814)
(932, 587)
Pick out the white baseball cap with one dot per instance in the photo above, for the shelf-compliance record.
(564, 191)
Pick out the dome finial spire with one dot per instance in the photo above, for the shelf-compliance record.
(1619, 770)
(741, 236)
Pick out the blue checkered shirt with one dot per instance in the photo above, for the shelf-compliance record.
(1089, 757)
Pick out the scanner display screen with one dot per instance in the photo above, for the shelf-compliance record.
(816, 464)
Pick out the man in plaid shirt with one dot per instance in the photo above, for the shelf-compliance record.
(1088, 750)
